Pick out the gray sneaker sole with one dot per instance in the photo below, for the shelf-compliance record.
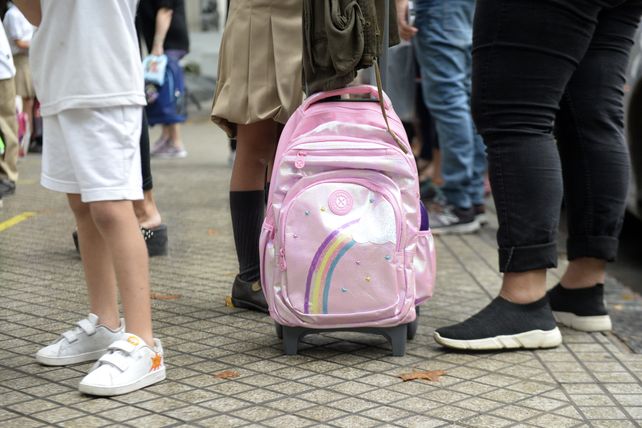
(73, 359)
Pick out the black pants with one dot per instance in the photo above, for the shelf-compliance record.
(547, 72)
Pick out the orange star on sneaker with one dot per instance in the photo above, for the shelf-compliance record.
(156, 362)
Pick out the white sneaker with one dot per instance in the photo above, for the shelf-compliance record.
(129, 364)
(86, 342)
(171, 152)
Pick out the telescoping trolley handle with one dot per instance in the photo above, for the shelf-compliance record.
(383, 61)
(382, 80)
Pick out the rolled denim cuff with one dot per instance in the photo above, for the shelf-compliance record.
(531, 257)
(599, 247)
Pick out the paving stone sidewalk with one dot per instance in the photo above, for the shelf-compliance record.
(341, 380)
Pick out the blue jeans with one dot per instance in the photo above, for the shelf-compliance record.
(443, 49)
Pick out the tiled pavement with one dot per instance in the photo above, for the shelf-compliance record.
(345, 380)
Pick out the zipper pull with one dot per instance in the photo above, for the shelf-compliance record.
(300, 160)
(282, 264)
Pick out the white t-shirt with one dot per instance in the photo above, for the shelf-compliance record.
(7, 69)
(85, 54)
(17, 28)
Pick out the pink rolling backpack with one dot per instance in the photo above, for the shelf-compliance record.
(345, 244)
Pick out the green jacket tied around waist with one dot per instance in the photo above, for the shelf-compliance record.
(341, 37)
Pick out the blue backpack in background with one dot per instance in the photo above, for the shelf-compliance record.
(167, 104)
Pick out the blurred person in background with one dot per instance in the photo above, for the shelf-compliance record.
(19, 32)
(164, 29)
(8, 122)
(442, 36)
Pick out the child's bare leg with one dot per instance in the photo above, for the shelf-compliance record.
(174, 133)
(98, 267)
(165, 133)
(27, 107)
(119, 228)
(255, 146)
(147, 211)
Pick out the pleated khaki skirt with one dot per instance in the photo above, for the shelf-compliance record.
(24, 85)
(260, 61)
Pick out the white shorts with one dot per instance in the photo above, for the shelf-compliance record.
(93, 152)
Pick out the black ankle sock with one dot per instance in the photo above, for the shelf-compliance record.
(247, 208)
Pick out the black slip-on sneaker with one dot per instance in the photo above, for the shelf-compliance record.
(581, 309)
(504, 325)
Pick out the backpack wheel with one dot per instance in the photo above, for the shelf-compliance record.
(397, 337)
(412, 329)
(413, 326)
(291, 336)
(279, 330)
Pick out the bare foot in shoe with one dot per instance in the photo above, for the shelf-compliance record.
(147, 212)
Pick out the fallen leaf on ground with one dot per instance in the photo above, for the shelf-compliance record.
(212, 232)
(227, 374)
(159, 296)
(430, 375)
(228, 302)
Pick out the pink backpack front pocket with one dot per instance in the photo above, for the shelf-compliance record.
(343, 251)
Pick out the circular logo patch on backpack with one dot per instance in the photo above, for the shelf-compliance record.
(340, 202)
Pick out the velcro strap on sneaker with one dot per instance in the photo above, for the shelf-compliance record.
(70, 336)
(115, 359)
(87, 326)
(122, 345)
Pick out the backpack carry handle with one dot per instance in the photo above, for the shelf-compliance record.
(350, 90)
(375, 92)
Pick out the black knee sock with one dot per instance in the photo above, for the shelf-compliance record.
(247, 209)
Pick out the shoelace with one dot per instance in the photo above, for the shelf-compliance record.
(84, 325)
